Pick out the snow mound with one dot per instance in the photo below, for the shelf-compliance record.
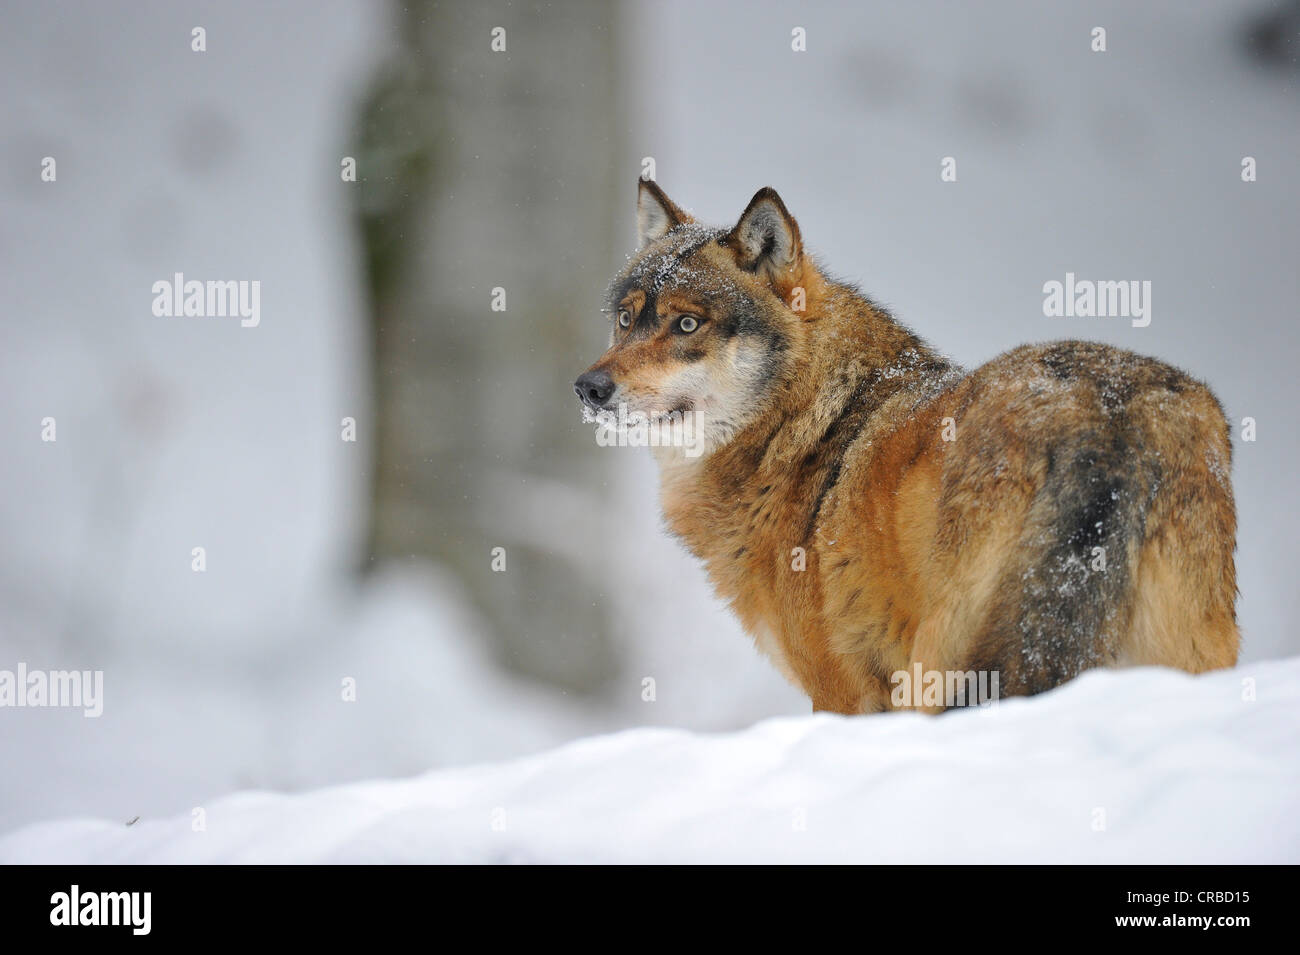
(1130, 766)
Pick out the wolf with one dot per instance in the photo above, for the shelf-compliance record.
(868, 508)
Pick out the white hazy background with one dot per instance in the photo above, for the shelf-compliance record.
(176, 433)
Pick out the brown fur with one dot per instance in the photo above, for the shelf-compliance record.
(976, 553)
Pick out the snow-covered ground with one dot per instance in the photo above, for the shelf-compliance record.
(1136, 766)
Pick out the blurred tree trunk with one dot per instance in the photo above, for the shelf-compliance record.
(481, 170)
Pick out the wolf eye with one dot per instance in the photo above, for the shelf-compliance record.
(688, 323)
(624, 319)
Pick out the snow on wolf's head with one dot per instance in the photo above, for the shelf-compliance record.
(703, 321)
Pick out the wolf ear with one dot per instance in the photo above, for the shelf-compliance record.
(656, 214)
(766, 239)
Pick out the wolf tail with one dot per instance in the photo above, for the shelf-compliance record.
(1126, 556)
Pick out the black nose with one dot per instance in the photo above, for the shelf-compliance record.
(594, 388)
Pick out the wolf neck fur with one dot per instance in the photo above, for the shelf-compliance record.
(849, 357)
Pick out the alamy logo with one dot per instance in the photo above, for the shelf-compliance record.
(80, 688)
(633, 429)
(194, 299)
(1084, 298)
(947, 688)
(102, 908)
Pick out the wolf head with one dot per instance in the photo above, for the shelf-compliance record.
(704, 322)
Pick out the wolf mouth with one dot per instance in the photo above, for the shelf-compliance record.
(610, 415)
